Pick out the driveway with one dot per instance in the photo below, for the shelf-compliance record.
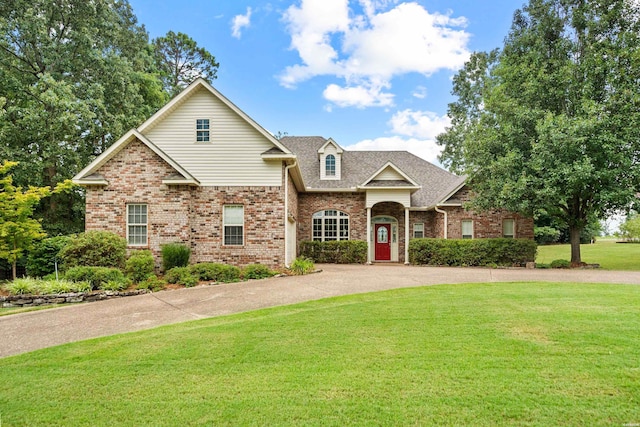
(34, 330)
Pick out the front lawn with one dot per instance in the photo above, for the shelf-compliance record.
(481, 355)
(609, 254)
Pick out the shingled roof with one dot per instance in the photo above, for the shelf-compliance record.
(358, 166)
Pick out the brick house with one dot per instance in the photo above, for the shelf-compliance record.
(202, 172)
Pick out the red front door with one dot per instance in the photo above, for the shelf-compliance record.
(383, 242)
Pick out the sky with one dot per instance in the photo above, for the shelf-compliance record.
(371, 74)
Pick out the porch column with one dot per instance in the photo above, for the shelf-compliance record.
(368, 235)
(406, 236)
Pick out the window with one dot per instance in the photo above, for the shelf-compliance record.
(233, 218)
(330, 225)
(137, 225)
(508, 228)
(467, 229)
(330, 165)
(418, 230)
(202, 130)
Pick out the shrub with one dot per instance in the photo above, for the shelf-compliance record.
(152, 283)
(181, 276)
(476, 252)
(42, 258)
(23, 286)
(140, 265)
(96, 276)
(33, 286)
(175, 255)
(257, 271)
(546, 235)
(302, 265)
(335, 252)
(215, 272)
(114, 285)
(64, 287)
(95, 249)
(560, 263)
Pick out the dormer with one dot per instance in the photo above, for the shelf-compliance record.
(330, 155)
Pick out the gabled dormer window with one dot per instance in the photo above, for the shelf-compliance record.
(330, 165)
(330, 160)
(202, 130)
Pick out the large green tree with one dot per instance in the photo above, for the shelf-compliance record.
(181, 61)
(75, 74)
(552, 121)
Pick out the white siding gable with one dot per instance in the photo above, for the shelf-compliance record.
(389, 174)
(232, 155)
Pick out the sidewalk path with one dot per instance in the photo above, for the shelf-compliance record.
(30, 331)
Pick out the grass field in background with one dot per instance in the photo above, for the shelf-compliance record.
(481, 355)
(609, 254)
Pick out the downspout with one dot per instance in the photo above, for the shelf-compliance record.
(286, 210)
(446, 222)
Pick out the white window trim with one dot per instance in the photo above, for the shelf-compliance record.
(338, 217)
(225, 225)
(473, 233)
(326, 169)
(146, 225)
(421, 224)
(513, 236)
(208, 129)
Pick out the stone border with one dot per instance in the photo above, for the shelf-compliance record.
(68, 298)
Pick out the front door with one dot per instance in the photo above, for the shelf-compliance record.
(383, 242)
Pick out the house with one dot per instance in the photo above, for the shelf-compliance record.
(202, 172)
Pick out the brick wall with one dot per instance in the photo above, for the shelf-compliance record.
(190, 215)
(352, 204)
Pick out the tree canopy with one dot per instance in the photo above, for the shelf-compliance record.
(552, 120)
(75, 75)
(181, 61)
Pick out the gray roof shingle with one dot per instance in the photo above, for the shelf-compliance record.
(358, 166)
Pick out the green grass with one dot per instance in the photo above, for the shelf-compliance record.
(483, 355)
(609, 254)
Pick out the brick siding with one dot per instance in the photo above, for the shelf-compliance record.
(190, 215)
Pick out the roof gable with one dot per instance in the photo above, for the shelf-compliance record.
(391, 175)
(193, 88)
(88, 175)
(330, 141)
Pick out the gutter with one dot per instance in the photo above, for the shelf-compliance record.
(286, 209)
(446, 222)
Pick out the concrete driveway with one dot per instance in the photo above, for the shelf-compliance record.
(30, 331)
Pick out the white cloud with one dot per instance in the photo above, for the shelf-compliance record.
(239, 22)
(419, 124)
(426, 149)
(358, 96)
(368, 50)
(420, 92)
(414, 131)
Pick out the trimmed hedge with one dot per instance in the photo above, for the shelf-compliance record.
(335, 252)
(95, 249)
(472, 252)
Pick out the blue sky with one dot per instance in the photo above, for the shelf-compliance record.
(371, 74)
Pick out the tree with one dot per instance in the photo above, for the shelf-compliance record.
(552, 121)
(18, 230)
(181, 61)
(630, 229)
(76, 75)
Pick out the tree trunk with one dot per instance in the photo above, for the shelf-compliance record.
(13, 269)
(574, 238)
